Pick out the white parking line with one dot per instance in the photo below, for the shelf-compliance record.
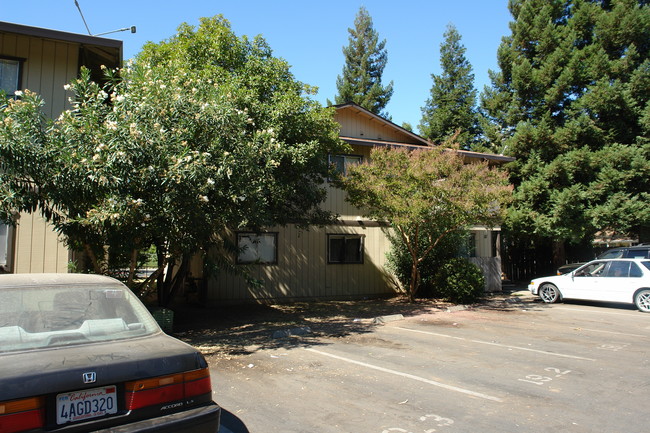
(562, 355)
(409, 376)
(599, 311)
(613, 333)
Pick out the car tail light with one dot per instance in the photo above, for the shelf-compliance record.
(21, 415)
(165, 389)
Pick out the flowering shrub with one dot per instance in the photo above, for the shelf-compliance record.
(198, 134)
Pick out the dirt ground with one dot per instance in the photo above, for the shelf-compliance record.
(231, 331)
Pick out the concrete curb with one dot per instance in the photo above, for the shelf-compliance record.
(385, 319)
(283, 333)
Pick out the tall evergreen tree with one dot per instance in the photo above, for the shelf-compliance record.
(451, 106)
(572, 102)
(365, 60)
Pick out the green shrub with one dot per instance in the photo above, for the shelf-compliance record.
(459, 281)
(399, 260)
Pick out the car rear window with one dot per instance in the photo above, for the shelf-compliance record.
(39, 317)
(640, 253)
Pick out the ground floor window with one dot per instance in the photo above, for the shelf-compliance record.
(344, 248)
(257, 248)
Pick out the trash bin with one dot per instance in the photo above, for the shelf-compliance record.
(165, 318)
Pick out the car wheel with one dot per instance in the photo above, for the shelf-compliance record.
(549, 293)
(642, 300)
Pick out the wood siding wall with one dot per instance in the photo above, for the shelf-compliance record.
(47, 66)
(302, 271)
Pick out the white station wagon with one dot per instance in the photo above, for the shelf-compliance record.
(615, 280)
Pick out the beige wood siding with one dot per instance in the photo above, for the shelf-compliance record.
(302, 271)
(356, 126)
(48, 65)
(335, 201)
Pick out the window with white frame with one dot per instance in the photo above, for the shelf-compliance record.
(342, 162)
(4, 243)
(9, 83)
(344, 248)
(257, 248)
(9, 76)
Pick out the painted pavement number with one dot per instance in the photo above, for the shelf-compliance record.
(541, 380)
(430, 420)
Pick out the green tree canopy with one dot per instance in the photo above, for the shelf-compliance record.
(450, 109)
(365, 60)
(203, 132)
(573, 91)
(426, 195)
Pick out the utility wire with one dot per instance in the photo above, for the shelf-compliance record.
(82, 16)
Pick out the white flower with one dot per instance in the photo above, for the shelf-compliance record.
(210, 181)
(18, 93)
(66, 87)
(119, 98)
(204, 198)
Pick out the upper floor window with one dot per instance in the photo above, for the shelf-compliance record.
(257, 248)
(9, 76)
(342, 162)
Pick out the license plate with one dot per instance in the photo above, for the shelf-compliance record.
(86, 404)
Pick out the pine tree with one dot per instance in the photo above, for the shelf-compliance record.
(451, 106)
(365, 60)
(572, 103)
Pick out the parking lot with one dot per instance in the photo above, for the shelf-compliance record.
(530, 367)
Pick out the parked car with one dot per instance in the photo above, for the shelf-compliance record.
(81, 353)
(641, 251)
(613, 280)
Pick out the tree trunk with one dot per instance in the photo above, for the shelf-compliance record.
(559, 253)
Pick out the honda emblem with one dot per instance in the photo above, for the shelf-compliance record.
(90, 377)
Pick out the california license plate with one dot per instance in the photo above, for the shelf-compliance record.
(86, 404)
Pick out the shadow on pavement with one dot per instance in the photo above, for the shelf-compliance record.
(245, 329)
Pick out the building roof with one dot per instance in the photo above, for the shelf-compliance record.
(104, 50)
(411, 140)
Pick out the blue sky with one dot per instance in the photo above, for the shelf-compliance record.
(308, 35)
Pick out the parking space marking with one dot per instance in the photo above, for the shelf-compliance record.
(409, 376)
(594, 311)
(613, 333)
(490, 343)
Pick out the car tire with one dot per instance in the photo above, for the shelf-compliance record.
(642, 300)
(549, 293)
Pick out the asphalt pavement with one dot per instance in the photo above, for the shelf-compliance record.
(516, 365)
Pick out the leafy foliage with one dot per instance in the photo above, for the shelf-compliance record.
(460, 281)
(426, 194)
(201, 133)
(400, 262)
(450, 109)
(571, 103)
(365, 60)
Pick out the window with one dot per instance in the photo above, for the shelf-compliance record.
(4, 243)
(342, 162)
(344, 248)
(592, 270)
(472, 244)
(9, 76)
(257, 248)
(620, 269)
